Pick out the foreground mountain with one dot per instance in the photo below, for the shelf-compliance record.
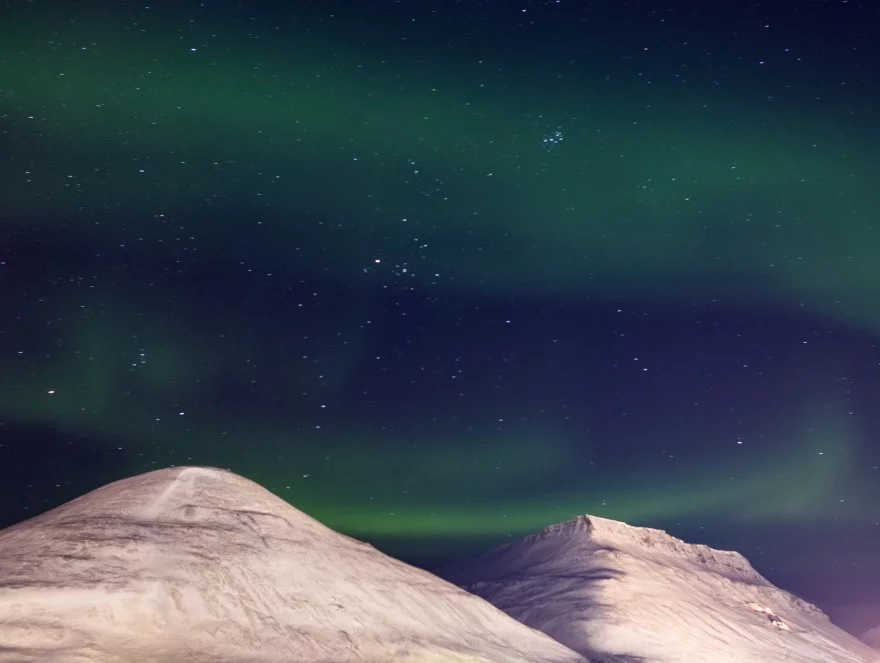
(626, 594)
(201, 565)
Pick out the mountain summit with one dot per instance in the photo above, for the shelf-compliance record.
(617, 593)
(198, 565)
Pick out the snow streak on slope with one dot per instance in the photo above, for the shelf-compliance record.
(199, 564)
(628, 594)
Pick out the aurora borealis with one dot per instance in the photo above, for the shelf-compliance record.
(443, 273)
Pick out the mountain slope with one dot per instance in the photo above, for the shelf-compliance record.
(619, 593)
(199, 564)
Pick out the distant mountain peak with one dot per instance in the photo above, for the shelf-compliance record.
(607, 534)
(616, 592)
(581, 524)
(608, 531)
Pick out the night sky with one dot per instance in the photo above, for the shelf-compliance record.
(444, 273)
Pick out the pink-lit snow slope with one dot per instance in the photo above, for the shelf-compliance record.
(613, 592)
(193, 564)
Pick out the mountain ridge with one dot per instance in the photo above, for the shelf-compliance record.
(616, 535)
(608, 589)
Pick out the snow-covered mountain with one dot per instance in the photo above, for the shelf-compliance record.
(626, 594)
(199, 565)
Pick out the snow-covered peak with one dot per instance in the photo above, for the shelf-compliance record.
(198, 564)
(614, 592)
(172, 494)
(603, 533)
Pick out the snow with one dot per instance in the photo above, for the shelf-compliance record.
(199, 565)
(623, 594)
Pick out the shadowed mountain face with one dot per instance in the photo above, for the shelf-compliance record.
(629, 594)
(197, 564)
